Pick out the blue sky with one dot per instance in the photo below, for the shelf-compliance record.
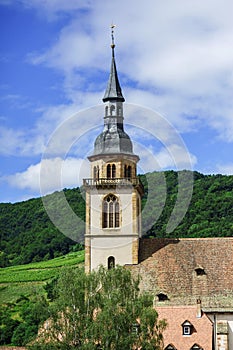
(175, 64)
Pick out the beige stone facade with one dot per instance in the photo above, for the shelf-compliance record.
(120, 242)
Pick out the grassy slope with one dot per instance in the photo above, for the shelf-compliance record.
(30, 279)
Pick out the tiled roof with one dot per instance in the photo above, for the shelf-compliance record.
(175, 316)
(187, 269)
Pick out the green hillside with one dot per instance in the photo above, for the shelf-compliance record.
(25, 293)
(28, 235)
(31, 278)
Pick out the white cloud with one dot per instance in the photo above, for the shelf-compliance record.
(226, 169)
(20, 142)
(50, 175)
(178, 55)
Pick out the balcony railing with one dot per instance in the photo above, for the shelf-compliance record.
(112, 181)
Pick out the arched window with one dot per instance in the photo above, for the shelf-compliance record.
(111, 171)
(128, 171)
(162, 297)
(111, 262)
(112, 110)
(111, 212)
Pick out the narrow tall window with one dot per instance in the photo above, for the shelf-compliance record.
(96, 173)
(111, 171)
(111, 262)
(111, 212)
(125, 171)
(128, 171)
(112, 110)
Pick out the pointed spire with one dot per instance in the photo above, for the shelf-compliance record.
(113, 91)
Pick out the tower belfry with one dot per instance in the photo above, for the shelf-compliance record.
(113, 192)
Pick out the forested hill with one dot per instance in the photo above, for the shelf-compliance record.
(27, 234)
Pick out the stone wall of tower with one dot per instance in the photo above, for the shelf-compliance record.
(121, 242)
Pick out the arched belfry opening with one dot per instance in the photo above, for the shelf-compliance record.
(113, 193)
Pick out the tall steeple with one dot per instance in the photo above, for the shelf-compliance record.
(113, 139)
(113, 192)
(113, 91)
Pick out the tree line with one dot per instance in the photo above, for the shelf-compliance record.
(28, 235)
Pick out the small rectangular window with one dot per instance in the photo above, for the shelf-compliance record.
(186, 330)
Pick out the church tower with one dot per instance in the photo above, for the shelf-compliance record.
(113, 192)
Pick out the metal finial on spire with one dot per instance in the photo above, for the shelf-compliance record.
(112, 34)
(113, 91)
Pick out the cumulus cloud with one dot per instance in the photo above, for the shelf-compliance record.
(179, 57)
(50, 175)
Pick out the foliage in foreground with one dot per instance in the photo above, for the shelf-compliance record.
(101, 310)
(20, 321)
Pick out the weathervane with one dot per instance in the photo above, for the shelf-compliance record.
(112, 33)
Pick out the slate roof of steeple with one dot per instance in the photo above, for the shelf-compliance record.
(113, 91)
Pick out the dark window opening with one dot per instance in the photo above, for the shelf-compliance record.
(128, 171)
(111, 171)
(112, 110)
(200, 271)
(162, 297)
(111, 262)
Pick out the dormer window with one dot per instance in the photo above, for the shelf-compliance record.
(187, 328)
(196, 347)
(170, 347)
(200, 271)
